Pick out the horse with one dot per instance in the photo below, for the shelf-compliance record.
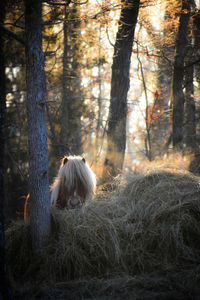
(75, 183)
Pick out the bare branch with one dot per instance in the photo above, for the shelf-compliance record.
(11, 34)
(14, 25)
(64, 3)
(109, 37)
(80, 3)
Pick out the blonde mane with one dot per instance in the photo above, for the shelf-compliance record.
(74, 178)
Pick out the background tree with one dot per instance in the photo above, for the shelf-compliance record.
(5, 292)
(178, 98)
(162, 53)
(64, 113)
(65, 116)
(192, 107)
(116, 133)
(15, 126)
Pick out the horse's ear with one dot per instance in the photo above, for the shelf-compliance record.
(65, 160)
(83, 159)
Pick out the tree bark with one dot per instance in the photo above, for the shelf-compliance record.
(190, 108)
(178, 98)
(196, 29)
(195, 163)
(72, 104)
(116, 133)
(5, 292)
(164, 43)
(76, 105)
(37, 133)
(64, 114)
(2, 198)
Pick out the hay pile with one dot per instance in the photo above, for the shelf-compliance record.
(143, 239)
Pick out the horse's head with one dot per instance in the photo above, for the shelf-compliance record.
(74, 184)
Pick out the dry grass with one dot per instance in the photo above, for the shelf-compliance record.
(141, 241)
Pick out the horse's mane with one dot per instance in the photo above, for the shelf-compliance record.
(74, 171)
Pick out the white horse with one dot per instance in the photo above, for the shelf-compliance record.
(74, 184)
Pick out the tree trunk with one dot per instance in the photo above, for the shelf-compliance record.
(116, 133)
(4, 288)
(37, 133)
(64, 117)
(76, 104)
(178, 98)
(2, 119)
(196, 30)
(164, 79)
(195, 163)
(190, 109)
(98, 139)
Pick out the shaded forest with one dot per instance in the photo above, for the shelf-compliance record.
(118, 83)
(160, 112)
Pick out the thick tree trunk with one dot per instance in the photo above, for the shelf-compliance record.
(37, 133)
(178, 98)
(116, 134)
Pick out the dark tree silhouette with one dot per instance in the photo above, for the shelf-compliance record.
(5, 292)
(64, 114)
(116, 133)
(178, 97)
(71, 104)
(37, 133)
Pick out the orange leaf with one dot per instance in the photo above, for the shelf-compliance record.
(185, 11)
